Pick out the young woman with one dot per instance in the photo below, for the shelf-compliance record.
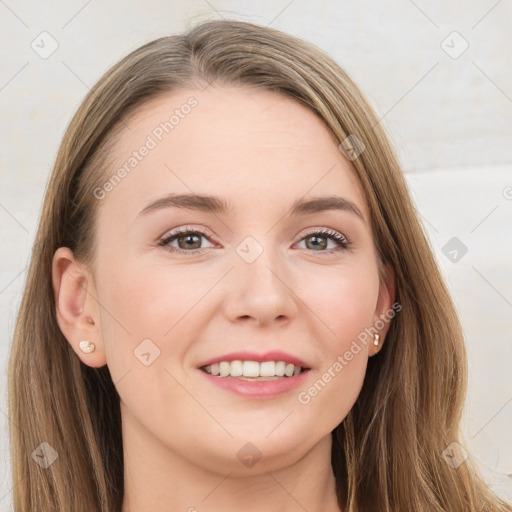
(231, 304)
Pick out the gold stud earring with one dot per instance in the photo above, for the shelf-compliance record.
(87, 347)
(376, 340)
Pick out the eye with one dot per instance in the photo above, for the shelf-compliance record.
(188, 240)
(318, 241)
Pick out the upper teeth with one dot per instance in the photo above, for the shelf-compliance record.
(253, 369)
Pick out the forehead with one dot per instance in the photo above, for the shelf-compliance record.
(251, 145)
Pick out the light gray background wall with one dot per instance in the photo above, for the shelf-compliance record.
(445, 99)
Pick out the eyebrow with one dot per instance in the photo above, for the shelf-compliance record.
(214, 204)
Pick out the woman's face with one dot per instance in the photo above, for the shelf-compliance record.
(254, 281)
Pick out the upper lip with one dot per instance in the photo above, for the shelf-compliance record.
(274, 355)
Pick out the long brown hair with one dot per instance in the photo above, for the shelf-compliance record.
(387, 454)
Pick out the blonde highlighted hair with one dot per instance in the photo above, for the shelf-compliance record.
(387, 453)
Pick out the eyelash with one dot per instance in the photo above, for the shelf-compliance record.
(342, 241)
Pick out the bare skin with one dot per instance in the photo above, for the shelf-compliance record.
(305, 294)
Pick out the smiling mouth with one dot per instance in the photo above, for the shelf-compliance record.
(254, 370)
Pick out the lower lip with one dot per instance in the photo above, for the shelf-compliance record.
(258, 389)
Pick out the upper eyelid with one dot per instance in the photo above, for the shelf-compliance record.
(186, 229)
(326, 231)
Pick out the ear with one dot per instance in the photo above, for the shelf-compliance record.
(76, 306)
(384, 312)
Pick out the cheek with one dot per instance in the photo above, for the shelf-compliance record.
(343, 299)
(332, 392)
(136, 312)
(149, 301)
(150, 310)
(144, 309)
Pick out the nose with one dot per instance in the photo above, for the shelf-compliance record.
(261, 290)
